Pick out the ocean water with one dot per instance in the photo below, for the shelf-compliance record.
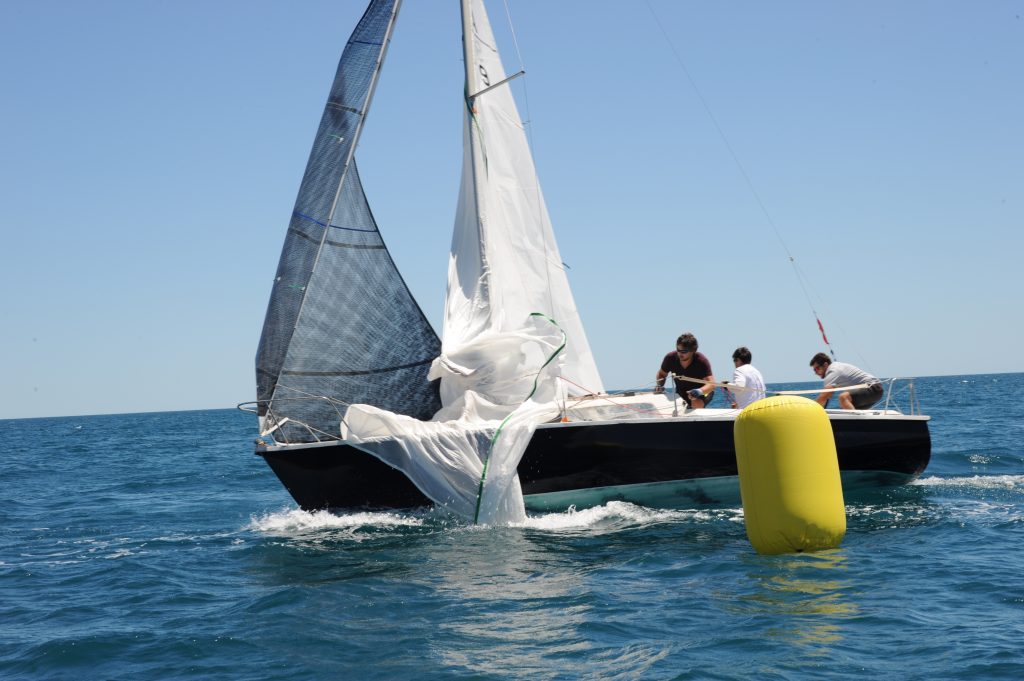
(157, 546)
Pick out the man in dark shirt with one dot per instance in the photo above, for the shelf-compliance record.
(687, 363)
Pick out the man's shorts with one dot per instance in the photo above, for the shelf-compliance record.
(865, 398)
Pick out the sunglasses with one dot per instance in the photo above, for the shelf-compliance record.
(684, 351)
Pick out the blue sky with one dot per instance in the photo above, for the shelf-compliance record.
(152, 152)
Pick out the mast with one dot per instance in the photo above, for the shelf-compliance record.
(469, 60)
(467, 44)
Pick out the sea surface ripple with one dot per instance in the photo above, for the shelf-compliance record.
(157, 546)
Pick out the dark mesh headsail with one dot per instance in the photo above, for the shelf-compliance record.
(341, 326)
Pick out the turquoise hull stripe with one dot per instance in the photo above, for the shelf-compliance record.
(718, 491)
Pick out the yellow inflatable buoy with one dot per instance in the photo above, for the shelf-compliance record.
(789, 476)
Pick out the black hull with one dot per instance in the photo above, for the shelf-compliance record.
(691, 462)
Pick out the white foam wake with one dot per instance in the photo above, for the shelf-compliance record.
(617, 514)
(976, 481)
(294, 521)
(613, 516)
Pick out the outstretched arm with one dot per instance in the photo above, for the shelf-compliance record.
(701, 392)
(659, 381)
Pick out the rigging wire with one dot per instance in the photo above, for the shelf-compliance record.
(515, 40)
(800, 276)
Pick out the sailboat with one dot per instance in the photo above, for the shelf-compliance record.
(362, 405)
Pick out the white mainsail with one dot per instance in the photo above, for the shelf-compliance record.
(511, 328)
(504, 262)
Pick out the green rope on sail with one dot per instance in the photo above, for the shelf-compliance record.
(497, 433)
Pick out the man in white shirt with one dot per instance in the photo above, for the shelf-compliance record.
(747, 379)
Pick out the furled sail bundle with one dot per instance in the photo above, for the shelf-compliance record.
(341, 326)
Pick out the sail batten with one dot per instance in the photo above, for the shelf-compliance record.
(364, 372)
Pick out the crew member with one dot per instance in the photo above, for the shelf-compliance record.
(841, 375)
(746, 377)
(685, 363)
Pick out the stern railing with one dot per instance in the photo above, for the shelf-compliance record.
(901, 391)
